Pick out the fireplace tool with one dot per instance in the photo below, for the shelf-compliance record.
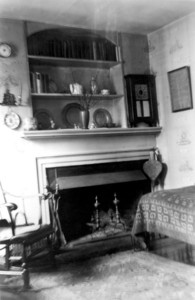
(95, 219)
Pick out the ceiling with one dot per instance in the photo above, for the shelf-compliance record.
(134, 16)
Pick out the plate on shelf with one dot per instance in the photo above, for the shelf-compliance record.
(44, 118)
(102, 117)
(71, 115)
(12, 120)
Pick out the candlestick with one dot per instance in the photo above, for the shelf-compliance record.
(97, 218)
(116, 201)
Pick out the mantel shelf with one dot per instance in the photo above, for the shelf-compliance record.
(84, 133)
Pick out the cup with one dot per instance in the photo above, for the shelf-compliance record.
(105, 92)
(30, 123)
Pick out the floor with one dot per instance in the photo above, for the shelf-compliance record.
(166, 247)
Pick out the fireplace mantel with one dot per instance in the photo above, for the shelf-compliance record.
(68, 147)
(61, 133)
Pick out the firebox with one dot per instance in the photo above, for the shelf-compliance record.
(98, 198)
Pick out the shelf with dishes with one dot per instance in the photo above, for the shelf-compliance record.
(72, 70)
(54, 81)
(69, 116)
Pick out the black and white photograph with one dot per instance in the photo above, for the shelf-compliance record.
(97, 150)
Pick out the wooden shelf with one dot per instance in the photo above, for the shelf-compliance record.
(68, 62)
(13, 105)
(61, 133)
(48, 96)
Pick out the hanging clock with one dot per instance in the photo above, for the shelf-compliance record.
(142, 101)
(5, 50)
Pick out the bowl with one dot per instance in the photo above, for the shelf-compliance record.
(105, 92)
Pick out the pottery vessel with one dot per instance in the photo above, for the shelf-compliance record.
(84, 114)
(76, 89)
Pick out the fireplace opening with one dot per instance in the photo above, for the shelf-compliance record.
(76, 208)
(82, 185)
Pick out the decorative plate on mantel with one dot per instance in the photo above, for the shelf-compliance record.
(71, 115)
(102, 118)
(44, 118)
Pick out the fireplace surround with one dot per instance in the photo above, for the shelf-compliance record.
(94, 161)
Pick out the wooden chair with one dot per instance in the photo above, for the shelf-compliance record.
(21, 248)
(19, 211)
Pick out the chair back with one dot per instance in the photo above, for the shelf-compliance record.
(7, 224)
(47, 213)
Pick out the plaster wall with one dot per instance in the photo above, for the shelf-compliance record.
(16, 169)
(14, 75)
(171, 48)
(135, 53)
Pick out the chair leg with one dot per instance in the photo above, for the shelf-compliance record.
(26, 277)
(7, 256)
(25, 274)
(51, 254)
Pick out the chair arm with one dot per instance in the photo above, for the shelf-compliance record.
(10, 207)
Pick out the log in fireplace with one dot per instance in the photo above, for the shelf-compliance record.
(81, 186)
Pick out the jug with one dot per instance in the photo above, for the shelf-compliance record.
(76, 89)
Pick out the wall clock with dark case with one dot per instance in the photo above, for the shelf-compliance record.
(142, 101)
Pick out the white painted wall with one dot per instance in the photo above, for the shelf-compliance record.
(171, 48)
(14, 72)
(17, 171)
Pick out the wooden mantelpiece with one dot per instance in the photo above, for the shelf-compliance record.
(76, 133)
(70, 147)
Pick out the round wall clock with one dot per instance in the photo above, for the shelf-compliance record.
(5, 50)
(141, 91)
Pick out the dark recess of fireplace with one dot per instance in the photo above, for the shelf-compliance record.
(76, 205)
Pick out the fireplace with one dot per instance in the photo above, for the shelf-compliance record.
(86, 166)
(92, 163)
(81, 186)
